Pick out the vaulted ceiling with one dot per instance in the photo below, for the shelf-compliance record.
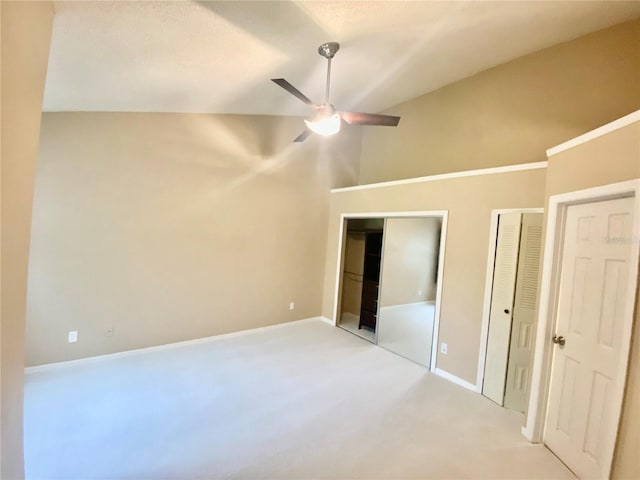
(218, 57)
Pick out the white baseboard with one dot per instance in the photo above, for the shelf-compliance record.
(326, 320)
(168, 346)
(456, 380)
(528, 434)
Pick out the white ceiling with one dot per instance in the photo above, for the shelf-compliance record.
(218, 57)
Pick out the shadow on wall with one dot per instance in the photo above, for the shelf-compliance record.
(159, 227)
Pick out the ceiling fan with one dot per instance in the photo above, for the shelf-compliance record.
(327, 119)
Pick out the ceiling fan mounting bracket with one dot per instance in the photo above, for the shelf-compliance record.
(329, 49)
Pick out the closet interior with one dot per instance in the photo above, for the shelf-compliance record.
(361, 276)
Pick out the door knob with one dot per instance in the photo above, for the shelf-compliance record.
(558, 340)
(506, 310)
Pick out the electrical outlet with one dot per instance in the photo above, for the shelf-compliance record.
(419, 292)
(109, 332)
(443, 348)
(73, 336)
(292, 306)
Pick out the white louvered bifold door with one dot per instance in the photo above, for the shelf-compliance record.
(504, 280)
(524, 314)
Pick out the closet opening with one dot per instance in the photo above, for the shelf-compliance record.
(389, 285)
(361, 276)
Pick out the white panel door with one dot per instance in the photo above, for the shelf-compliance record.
(584, 398)
(524, 314)
(502, 293)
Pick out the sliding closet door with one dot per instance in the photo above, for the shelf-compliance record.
(408, 287)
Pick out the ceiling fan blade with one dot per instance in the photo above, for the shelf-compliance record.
(292, 90)
(356, 118)
(303, 136)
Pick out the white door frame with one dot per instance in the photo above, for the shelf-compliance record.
(342, 234)
(541, 372)
(488, 285)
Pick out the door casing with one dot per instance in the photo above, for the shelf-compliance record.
(541, 372)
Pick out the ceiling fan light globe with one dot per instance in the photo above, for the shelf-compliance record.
(325, 126)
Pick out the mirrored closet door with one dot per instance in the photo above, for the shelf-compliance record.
(409, 286)
(389, 282)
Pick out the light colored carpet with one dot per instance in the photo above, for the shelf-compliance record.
(349, 322)
(305, 400)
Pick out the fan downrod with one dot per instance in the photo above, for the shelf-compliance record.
(329, 49)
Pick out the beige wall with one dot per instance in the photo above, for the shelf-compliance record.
(469, 202)
(26, 34)
(170, 227)
(611, 158)
(409, 260)
(512, 113)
